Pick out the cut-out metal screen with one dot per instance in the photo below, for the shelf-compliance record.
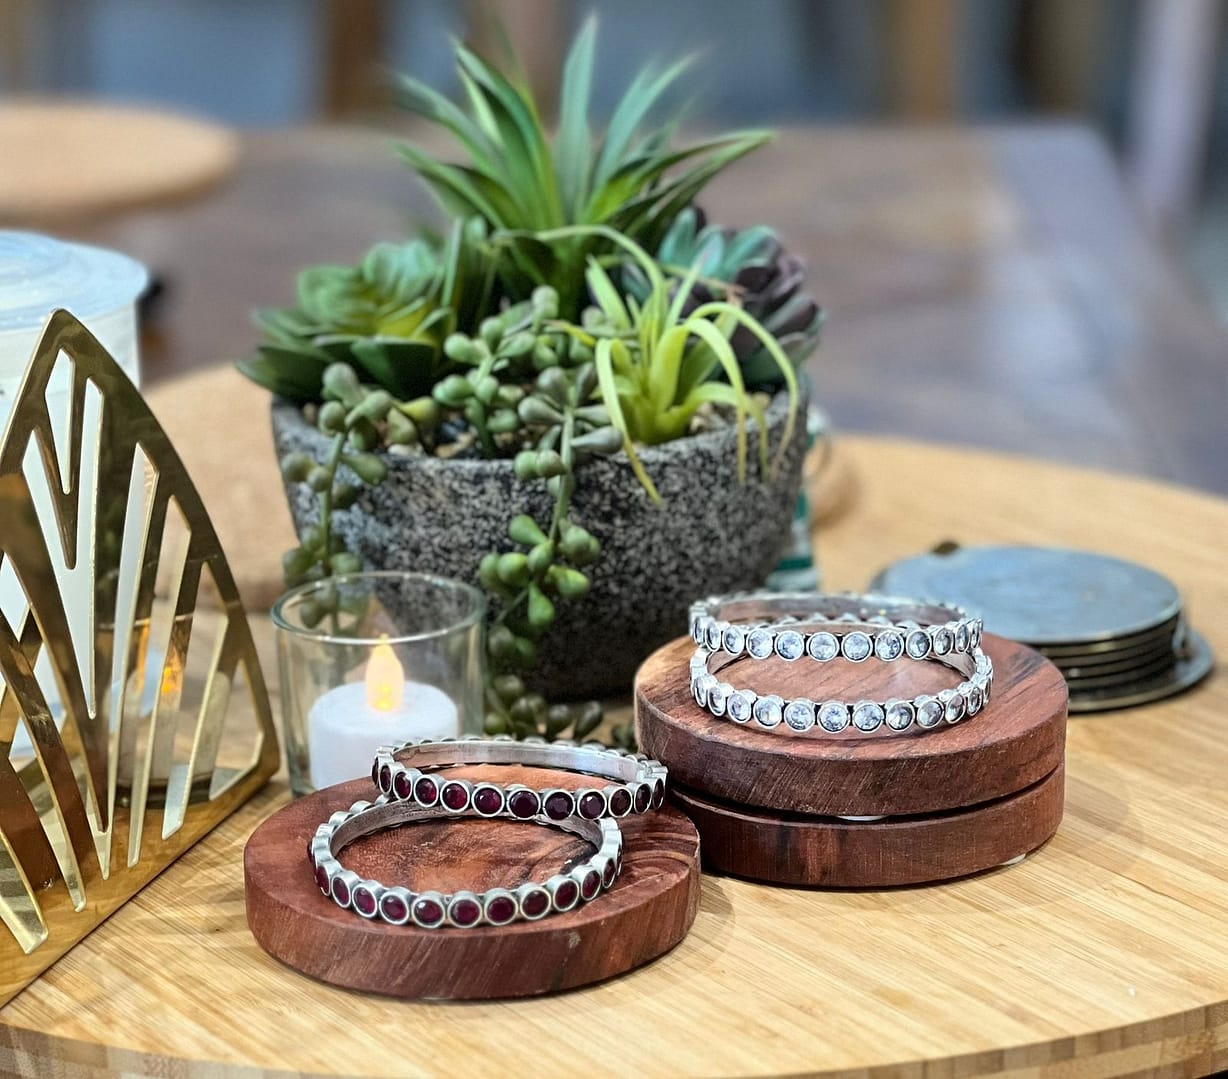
(133, 712)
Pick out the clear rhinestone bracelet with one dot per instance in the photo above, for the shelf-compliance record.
(762, 625)
(799, 715)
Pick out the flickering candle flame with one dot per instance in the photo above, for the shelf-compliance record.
(385, 679)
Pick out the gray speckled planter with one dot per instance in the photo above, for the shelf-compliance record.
(710, 534)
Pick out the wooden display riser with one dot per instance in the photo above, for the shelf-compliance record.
(647, 911)
(833, 853)
(956, 800)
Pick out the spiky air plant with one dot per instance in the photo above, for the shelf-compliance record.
(631, 179)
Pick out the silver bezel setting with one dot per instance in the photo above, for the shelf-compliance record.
(833, 716)
(799, 714)
(954, 705)
(823, 646)
(626, 770)
(760, 643)
(900, 715)
(929, 711)
(917, 644)
(790, 645)
(857, 646)
(741, 704)
(364, 818)
(733, 640)
(868, 716)
(889, 645)
(771, 712)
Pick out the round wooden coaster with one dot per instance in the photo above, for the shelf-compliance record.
(874, 854)
(648, 911)
(1018, 739)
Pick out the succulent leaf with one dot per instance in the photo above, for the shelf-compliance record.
(518, 182)
(750, 268)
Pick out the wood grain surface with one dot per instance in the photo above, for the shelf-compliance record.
(1015, 742)
(647, 911)
(822, 852)
(1102, 954)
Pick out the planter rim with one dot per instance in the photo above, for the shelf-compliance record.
(777, 405)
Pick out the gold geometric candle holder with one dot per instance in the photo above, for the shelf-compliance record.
(133, 715)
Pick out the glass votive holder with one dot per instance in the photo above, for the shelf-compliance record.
(372, 658)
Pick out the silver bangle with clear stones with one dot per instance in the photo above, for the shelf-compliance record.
(462, 910)
(763, 625)
(639, 781)
(799, 715)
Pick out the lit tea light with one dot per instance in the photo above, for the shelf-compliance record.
(349, 723)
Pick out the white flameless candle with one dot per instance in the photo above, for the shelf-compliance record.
(349, 723)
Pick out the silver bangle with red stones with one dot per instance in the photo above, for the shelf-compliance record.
(639, 783)
(762, 625)
(397, 905)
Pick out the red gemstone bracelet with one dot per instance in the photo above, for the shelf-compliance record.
(464, 909)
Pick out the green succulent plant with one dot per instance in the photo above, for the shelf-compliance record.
(519, 180)
(541, 330)
(526, 387)
(750, 267)
(386, 317)
(656, 362)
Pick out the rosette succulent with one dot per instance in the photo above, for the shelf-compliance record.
(386, 317)
(748, 267)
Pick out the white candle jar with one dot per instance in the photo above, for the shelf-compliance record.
(39, 274)
(373, 658)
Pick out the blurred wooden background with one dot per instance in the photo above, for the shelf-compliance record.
(986, 283)
(1144, 72)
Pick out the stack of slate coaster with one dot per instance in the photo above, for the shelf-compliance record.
(1116, 630)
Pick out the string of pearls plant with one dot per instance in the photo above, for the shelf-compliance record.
(525, 383)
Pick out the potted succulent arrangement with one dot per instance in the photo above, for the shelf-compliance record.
(582, 395)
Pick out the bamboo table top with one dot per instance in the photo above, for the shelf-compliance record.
(1103, 953)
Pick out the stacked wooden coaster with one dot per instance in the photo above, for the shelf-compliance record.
(1117, 631)
(861, 810)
